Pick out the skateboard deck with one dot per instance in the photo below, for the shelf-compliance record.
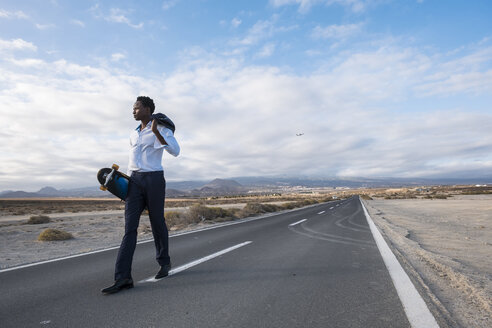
(114, 181)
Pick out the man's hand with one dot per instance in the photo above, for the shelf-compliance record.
(157, 133)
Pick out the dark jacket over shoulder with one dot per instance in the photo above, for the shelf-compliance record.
(164, 120)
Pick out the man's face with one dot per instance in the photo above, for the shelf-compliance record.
(139, 111)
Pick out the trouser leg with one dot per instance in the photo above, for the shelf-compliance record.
(156, 192)
(134, 205)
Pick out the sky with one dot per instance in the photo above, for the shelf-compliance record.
(379, 88)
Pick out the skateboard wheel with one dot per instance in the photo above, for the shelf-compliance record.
(103, 188)
(115, 167)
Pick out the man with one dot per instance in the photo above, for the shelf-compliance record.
(146, 189)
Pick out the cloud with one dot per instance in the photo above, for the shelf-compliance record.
(10, 14)
(116, 15)
(261, 30)
(117, 57)
(355, 6)
(77, 22)
(235, 119)
(44, 26)
(304, 5)
(470, 73)
(16, 44)
(168, 4)
(475, 82)
(341, 32)
(266, 51)
(235, 22)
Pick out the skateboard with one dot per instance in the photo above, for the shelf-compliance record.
(114, 181)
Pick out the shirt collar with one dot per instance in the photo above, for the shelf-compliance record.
(139, 127)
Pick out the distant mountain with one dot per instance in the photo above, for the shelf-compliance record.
(21, 194)
(219, 187)
(50, 191)
(241, 185)
(185, 185)
(174, 193)
(352, 182)
(223, 184)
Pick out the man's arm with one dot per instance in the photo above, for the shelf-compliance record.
(157, 133)
(166, 139)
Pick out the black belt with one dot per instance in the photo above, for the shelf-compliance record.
(147, 173)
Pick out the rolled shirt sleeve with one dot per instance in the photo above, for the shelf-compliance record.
(172, 146)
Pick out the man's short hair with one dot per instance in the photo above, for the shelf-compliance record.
(147, 102)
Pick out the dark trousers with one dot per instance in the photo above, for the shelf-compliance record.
(146, 189)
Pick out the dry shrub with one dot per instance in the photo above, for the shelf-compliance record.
(436, 197)
(173, 218)
(38, 219)
(306, 202)
(288, 206)
(54, 234)
(198, 213)
(366, 197)
(257, 208)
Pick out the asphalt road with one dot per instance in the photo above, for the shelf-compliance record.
(325, 271)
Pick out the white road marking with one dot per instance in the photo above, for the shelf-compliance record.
(415, 308)
(62, 258)
(293, 224)
(196, 262)
(331, 208)
(321, 212)
(338, 204)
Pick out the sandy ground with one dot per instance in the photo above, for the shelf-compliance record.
(446, 246)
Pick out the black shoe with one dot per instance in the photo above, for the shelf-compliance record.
(118, 286)
(163, 272)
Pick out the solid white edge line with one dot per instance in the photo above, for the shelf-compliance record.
(215, 226)
(417, 312)
(196, 262)
(60, 259)
(293, 224)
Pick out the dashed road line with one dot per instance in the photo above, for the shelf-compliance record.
(295, 223)
(321, 212)
(199, 261)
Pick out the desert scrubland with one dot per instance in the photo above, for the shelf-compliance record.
(443, 238)
(441, 235)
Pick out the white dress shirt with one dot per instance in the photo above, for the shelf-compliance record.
(146, 150)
